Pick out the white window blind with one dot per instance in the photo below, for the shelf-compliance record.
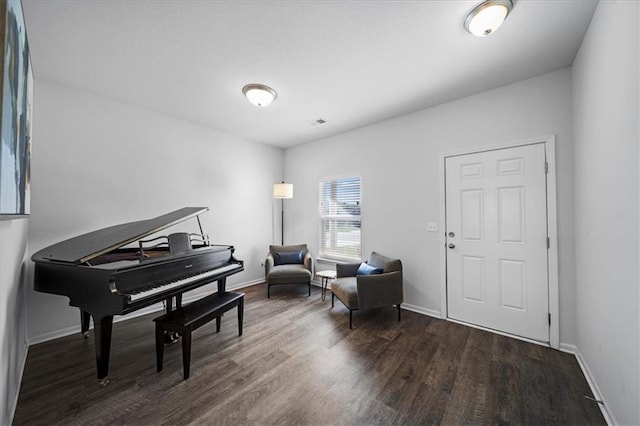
(340, 204)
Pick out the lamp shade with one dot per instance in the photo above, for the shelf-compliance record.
(282, 190)
(487, 17)
(259, 94)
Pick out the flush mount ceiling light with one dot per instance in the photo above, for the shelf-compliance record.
(487, 17)
(259, 94)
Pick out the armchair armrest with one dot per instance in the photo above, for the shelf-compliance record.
(308, 262)
(379, 290)
(268, 264)
(346, 269)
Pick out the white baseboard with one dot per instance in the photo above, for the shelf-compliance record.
(608, 417)
(570, 349)
(245, 284)
(586, 372)
(421, 310)
(144, 311)
(407, 306)
(45, 337)
(15, 398)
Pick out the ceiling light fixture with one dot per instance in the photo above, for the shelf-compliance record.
(259, 94)
(487, 17)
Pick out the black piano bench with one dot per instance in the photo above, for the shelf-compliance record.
(192, 316)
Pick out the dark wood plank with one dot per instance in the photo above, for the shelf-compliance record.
(297, 362)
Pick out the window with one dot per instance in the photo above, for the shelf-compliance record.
(340, 218)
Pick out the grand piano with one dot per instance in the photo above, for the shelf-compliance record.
(104, 272)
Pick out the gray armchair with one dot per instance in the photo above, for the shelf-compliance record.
(382, 288)
(292, 264)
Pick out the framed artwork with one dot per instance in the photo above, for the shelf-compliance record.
(16, 86)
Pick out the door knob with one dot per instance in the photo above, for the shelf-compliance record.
(451, 234)
(451, 245)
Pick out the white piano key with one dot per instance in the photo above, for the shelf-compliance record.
(179, 283)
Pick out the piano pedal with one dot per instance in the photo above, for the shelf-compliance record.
(170, 337)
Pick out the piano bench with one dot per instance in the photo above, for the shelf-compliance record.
(192, 316)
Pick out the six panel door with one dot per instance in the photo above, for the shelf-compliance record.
(496, 222)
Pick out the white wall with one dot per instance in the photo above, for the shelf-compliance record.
(398, 160)
(98, 163)
(13, 320)
(606, 115)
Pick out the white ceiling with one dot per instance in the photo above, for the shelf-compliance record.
(351, 63)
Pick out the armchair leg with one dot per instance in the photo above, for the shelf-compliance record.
(350, 318)
(309, 288)
(332, 297)
(268, 291)
(399, 310)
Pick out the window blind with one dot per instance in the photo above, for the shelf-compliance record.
(340, 218)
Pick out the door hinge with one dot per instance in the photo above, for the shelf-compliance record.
(546, 167)
(549, 318)
(548, 243)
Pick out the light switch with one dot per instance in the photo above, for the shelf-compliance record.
(432, 227)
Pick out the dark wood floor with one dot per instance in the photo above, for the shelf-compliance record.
(298, 363)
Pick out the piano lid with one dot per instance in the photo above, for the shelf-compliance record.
(88, 246)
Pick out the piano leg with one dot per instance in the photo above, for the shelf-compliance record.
(84, 323)
(102, 329)
(222, 284)
(169, 302)
(171, 337)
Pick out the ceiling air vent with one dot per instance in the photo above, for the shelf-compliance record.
(317, 122)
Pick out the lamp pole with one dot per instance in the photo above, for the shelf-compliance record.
(282, 223)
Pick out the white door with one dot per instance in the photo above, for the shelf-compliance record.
(496, 225)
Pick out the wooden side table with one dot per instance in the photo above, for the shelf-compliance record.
(325, 276)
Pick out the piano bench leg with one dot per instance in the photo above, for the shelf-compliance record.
(186, 353)
(193, 316)
(240, 316)
(159, 346)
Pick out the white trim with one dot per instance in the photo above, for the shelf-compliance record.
(608, 416)
(567, 348)
(501, 333)
(157, 307)
(552, 252)
(45, 337)
(552, 228)
(336, 261)
(443, 238)
(420, 310)
(514, 144)
(15, 398)
(245, 284)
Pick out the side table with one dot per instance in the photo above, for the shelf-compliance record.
(325, 276)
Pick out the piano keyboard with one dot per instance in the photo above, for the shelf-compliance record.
(175, 284)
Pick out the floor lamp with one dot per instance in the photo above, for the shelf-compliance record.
(282, 191)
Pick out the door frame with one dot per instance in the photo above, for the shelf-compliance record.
(549, 142)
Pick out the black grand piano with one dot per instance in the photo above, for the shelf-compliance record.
(105, 274)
